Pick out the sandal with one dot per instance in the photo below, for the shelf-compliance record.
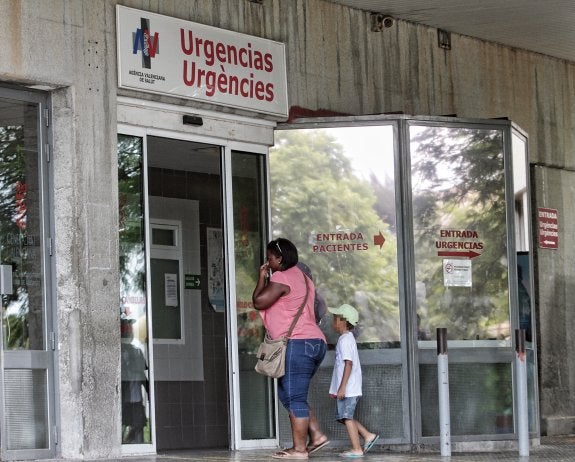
(286, 454)
(351, 455)
(369, 444)
(316, 447)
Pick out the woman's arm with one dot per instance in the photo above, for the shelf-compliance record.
(267, 293)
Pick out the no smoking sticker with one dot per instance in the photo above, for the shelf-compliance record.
(457, 273)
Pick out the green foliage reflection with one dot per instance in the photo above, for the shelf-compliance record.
(458, 184)
(14, 235)
(131, 214)
(314, 189)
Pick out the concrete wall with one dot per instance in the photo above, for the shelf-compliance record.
(69, 46)
(334, 63)
(555, 188)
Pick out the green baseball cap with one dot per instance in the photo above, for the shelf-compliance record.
(348, 312)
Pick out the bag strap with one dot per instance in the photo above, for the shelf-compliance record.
(300, 310)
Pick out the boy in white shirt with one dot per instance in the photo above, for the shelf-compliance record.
(346, 381)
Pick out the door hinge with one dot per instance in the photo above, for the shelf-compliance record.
(47, 149)
(47, 117)
(50, 246)
(53, 340)
(55, 434)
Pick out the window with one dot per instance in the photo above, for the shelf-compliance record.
(166, 276)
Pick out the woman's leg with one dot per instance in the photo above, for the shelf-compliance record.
(292, 391)
(299, 428)
(302, 361)
(316, 436)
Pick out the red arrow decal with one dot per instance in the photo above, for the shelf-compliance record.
(469, 254)
(379, 240)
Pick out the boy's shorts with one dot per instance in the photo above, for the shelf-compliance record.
(345, 408)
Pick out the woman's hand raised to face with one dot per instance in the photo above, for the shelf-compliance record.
(265, 270)
(267, 293)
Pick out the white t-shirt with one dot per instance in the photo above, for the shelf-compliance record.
(346, 349)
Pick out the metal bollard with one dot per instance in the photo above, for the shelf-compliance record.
(521, 383)
(443, 390)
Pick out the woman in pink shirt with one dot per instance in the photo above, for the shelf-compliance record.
(278, 299)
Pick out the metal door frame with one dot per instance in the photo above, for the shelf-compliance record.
(231, 133)
(46, 358)
(411, 355)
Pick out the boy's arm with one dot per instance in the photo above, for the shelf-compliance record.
(344, 379)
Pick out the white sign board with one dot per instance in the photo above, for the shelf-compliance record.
(457, 273)
(216, 294)
(160, 54)
(171, 289)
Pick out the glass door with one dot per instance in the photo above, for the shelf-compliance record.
(137, 382)
(334, 193)
(462, 278)
(27, 373)
(193, 226)
(256, 426)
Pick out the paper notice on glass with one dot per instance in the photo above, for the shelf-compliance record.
(457, 273)
(171, 289)
(216, 293)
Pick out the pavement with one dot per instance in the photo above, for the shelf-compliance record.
(559, 448)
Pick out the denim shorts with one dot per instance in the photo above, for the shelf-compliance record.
(303, 357)
(345, 408)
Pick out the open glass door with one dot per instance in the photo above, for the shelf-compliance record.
(27, 374)
(525, 282)
(137, 383)
(256, 426)
(193, 226)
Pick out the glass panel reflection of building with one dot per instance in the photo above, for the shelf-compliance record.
(133, 309)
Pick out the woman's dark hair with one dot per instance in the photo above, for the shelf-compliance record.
(285, 249)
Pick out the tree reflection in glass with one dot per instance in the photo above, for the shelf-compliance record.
(133, 308)
(458, 194)
(316, 188)
(20, 234)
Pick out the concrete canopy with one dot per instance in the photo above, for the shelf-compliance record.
(542, 27)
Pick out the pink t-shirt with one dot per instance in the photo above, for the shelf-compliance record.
(278, 317)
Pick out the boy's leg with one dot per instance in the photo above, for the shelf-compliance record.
(345, 409)
(364, 432)
(352, 431)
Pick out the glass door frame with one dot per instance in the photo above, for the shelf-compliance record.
(386, 356)
(412, 355)
(234, 378)
(458, 353)
(139, 449)
(45, 358)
